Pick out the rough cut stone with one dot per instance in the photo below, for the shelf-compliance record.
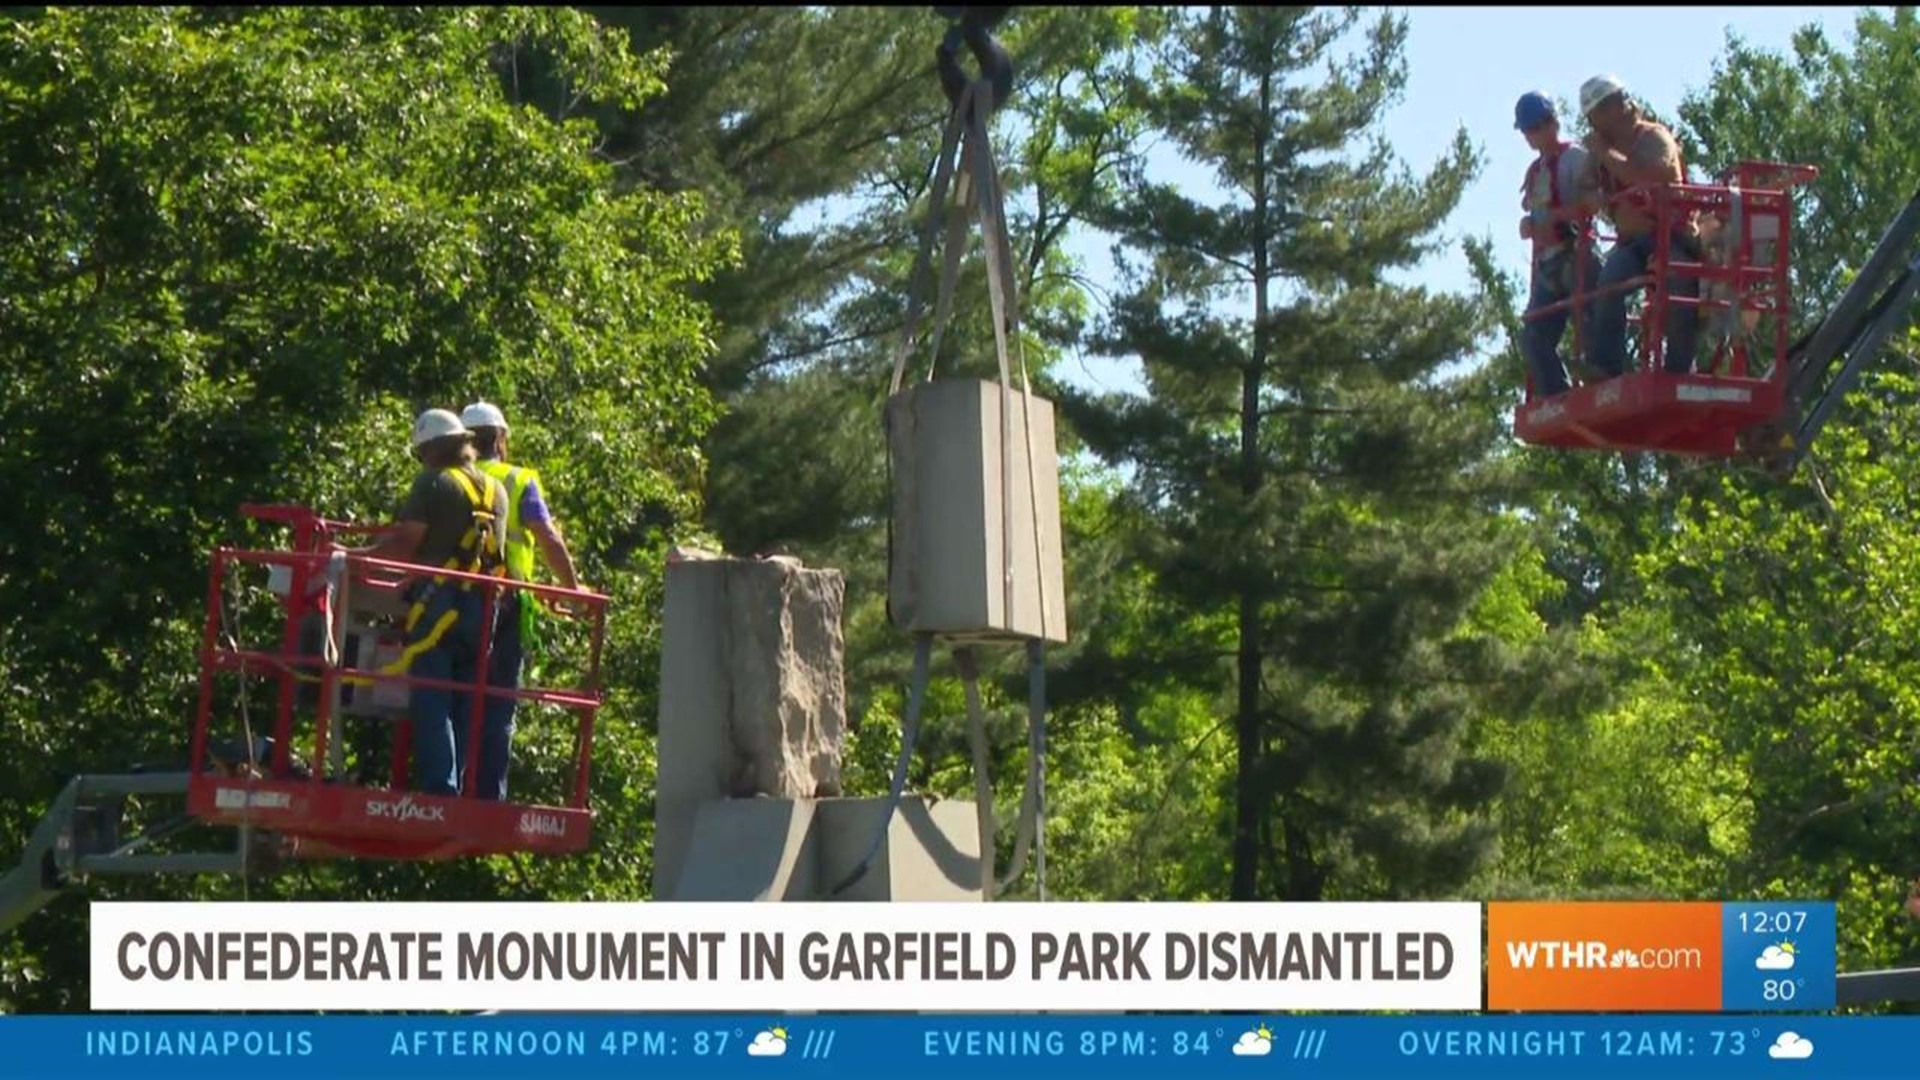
(752, 690)
(788, 713)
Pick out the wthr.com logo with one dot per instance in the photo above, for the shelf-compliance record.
(1594, 957)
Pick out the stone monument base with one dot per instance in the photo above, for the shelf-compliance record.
(797, 849)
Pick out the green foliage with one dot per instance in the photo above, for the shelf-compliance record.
(1793, 611)
(1843, 111)
(241, 249)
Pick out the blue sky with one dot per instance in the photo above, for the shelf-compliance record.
(1466, 66)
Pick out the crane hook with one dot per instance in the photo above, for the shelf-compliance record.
(973, 26)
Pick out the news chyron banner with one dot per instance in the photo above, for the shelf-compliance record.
(820, 957)
(1661, 957)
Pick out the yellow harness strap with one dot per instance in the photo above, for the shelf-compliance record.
(479, 554)
(483, 557)
(480, 543)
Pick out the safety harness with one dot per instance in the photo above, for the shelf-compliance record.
(1568, 235)
(1564, 230)
(477, 553)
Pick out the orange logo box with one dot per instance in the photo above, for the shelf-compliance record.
(1603, 957)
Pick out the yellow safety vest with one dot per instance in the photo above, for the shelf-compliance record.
(520, 554)
(516, 479)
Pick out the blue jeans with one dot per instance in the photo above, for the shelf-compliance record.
(1540, 338)
(503, 671)
(1607, 347)
(441, 717)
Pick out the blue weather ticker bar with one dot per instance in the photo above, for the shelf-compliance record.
(719, 1047)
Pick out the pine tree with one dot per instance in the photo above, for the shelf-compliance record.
(809, 132)
(1310, 487)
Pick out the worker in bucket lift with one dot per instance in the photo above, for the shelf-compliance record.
(1630, 151)
(1559, 196)
(529, 524)
(454, 517)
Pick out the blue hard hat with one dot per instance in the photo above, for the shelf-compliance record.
(1533, 110)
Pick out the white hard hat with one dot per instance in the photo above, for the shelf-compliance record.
(1598, 89)
(436, 424)
(481, 414)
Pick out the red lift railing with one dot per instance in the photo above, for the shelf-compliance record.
(1742, 277)
(323, 815)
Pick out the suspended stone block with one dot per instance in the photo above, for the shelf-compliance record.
(965, 514)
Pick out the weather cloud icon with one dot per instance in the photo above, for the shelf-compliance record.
(1255, 1043)
(1776, 958)
(771, 1043)
(1791, 1046)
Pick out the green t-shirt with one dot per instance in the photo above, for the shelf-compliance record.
(438, 501)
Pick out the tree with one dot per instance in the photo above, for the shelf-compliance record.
(1845, 112)
(1308, 488)
(1616, 789)
(770, 111)
(239, 249)
(1778, 616)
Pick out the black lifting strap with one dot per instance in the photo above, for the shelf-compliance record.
(974, 26)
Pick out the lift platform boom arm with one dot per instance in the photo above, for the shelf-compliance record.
(1827, 362)
(1825, 365)
(80, 836)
